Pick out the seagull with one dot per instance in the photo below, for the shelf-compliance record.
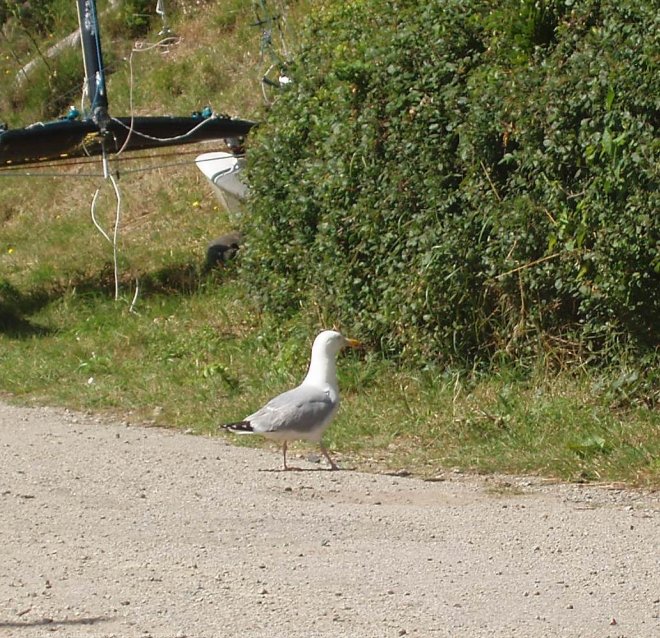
(307, 410)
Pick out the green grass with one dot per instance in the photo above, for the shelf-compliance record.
(197, 352)
(548, 425)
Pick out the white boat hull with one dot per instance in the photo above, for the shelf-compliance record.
(222, 170)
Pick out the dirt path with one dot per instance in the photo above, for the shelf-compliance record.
(108, 530)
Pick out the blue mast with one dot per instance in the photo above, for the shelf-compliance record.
(90, 38)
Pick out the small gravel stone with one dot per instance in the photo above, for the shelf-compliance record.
(211, 533)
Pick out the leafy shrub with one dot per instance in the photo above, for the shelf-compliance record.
(37, 18)
(455, 180)
(133, 19)
(51, 89)
(36, 15)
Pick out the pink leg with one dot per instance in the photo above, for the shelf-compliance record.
(333, 465)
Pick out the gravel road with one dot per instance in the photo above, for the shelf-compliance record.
(115, 530)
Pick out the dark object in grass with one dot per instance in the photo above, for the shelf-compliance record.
(222, 249)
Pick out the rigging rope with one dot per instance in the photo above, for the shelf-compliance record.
(107, 174)
(115, 235)
(20, 171)
(271, 23)
(163, 43)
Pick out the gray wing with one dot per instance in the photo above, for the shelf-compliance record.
(303, 410)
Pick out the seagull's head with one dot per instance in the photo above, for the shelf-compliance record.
(330, 342)
(324, 353)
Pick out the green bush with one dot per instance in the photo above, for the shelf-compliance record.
(454, 180)
(51, 89)
(133, 19)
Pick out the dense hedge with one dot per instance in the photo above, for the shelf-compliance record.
(456, 179)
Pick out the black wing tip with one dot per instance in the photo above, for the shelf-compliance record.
(241, 427)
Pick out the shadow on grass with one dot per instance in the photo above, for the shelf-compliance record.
(16, 306)
(17, 327)
(13, 308)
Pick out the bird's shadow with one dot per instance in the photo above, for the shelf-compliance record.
(281, 470)
(41, 622)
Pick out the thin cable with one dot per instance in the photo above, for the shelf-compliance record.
(154, 167)
(94, 220)
(279, 56)
(19, 170)
(114, 240)
(115, 244)
(131, 308)
(165, 139)
(126, 171)
(15, 173)
(115, 236)
(135, 49)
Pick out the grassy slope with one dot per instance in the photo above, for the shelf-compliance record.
(198, 352)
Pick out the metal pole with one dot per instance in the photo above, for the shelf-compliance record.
(90, 38)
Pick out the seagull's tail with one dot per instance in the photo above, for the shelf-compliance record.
(242, 427)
